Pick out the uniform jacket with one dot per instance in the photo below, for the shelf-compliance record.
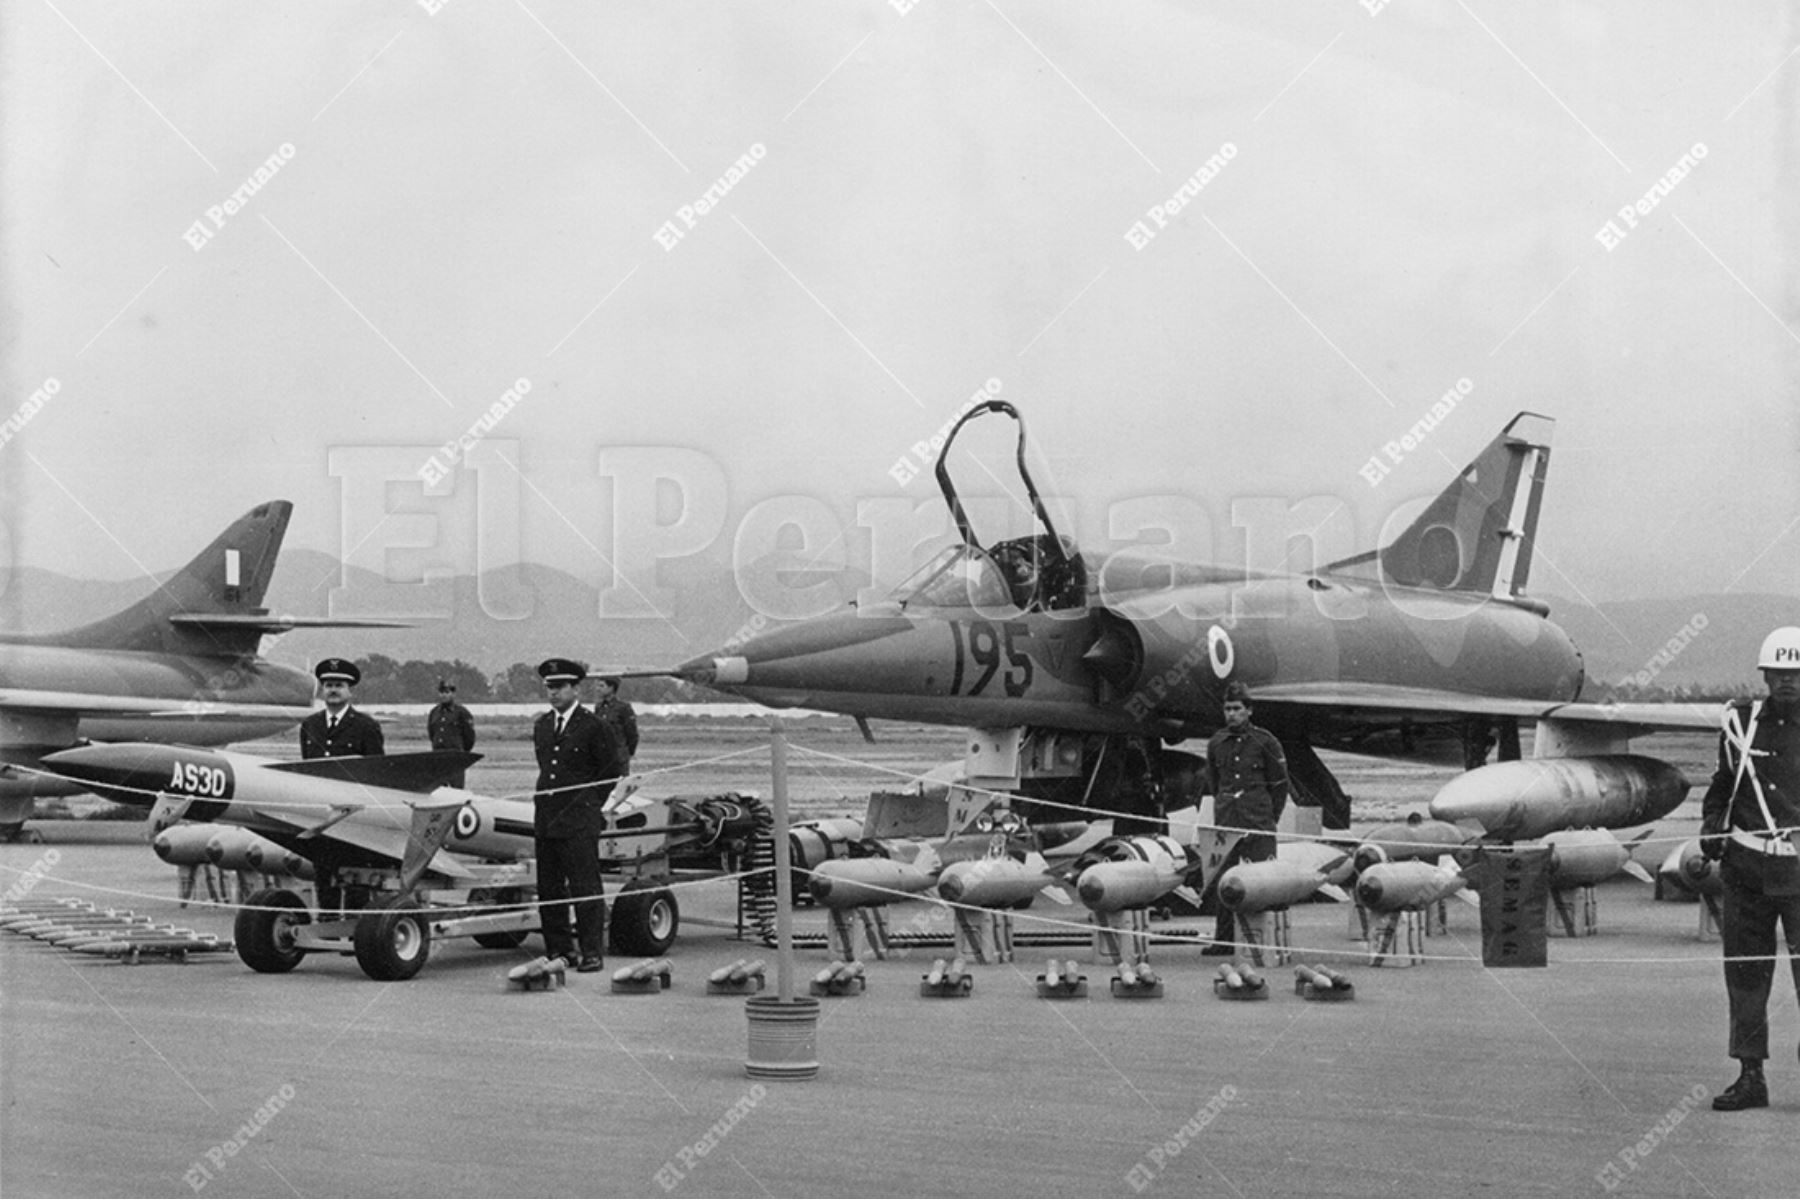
(623, 719)
(585, 753)
(1730, 804)
(357, 735)
(451, 727)
(1247, 775)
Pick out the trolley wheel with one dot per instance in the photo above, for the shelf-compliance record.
(392, 943)
(265, 937)
(644, 920)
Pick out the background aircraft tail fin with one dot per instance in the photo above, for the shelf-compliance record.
(1477, 535)
(228, 577)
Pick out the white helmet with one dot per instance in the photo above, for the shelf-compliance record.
(1780, 650)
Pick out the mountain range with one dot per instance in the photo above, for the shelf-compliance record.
(530, 612)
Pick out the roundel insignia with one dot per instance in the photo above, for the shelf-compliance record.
(1218, 647)
(468, 822)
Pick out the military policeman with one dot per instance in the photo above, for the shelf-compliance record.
(1750, 821)
(578, 765)
(1247, 776)
(340, 731)
(450, 726)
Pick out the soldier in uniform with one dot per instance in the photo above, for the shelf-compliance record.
(1247, 776)
(1750, 821)
(450, 726)
(578, 765)
(340, 731)
(620, 715)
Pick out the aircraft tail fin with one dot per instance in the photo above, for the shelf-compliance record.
(1477, 535)
(227, 578)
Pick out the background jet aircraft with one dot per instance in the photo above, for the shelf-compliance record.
(180, 665)
(1076, 677)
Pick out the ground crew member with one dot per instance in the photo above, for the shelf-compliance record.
(578, 766)
(618, 714)
(1247, 776)
(1750, 820)
(450, 726)
(339, 731)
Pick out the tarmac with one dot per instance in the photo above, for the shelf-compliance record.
(1590, 1076)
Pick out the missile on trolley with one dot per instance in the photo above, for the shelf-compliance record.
(1531, 797)
(1583, 857)
(1404, 886)
(866, 882)
(1415, 837)
(994, 882)
(1251, 887)
(366, 804)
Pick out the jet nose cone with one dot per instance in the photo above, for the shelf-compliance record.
(120, 765)
(837, 650)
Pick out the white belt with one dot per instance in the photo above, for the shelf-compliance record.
(1775, 846)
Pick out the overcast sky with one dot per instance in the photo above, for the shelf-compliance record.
(936, 196)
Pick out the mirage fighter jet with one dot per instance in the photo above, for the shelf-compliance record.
(1075, 676)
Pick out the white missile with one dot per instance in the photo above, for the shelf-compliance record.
(228, 847)
(1139, 871)
(992, 882)
(1583, 857)
(866, 882)
(1529, 798)
(1416, 837)
(1404, 886)
(1116, 886)
(1251, 887)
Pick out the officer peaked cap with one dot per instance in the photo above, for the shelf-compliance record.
(561, 670)
(337, 668)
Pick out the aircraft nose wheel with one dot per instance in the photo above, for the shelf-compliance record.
(393, 940)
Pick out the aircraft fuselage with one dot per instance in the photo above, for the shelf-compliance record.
(1149, 661)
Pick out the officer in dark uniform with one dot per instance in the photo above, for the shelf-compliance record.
(578, 765)
(340, 731)
(450, 726)
(1750, 819)
(621, 716)
(1247, 776)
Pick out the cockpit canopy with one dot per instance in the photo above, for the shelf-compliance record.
(1027, 574)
